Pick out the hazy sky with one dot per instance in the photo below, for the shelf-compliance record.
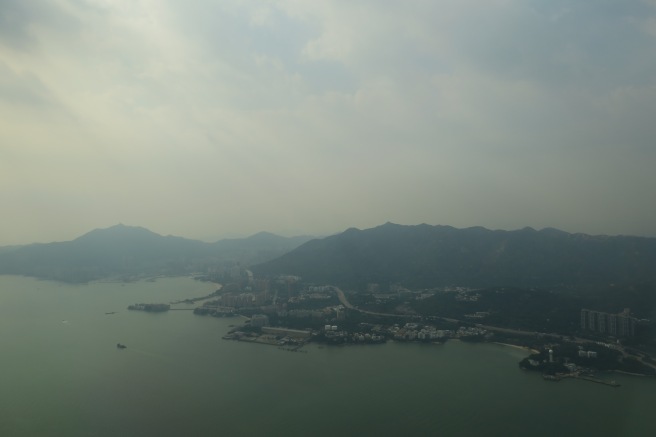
(221, 118)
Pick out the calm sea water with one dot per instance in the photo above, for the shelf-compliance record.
(62, 375)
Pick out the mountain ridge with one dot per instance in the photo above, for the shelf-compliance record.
(131, 251)
(426, 255)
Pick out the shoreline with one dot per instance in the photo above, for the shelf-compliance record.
(525, 348)
(631, 373)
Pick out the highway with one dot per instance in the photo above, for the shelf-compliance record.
(344, 301)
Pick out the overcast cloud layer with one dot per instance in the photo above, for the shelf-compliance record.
(213, 118)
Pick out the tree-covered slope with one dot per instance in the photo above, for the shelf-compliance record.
(425, 255)
(127, 251)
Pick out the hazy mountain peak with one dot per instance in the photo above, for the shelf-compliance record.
(117, 231)
(264, 235)
(133, 251)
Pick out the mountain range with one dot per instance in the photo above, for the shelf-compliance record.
(412, 256)
(127, 251)
(426, 256)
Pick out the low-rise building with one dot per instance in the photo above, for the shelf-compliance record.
(259, 320)
(294, 333)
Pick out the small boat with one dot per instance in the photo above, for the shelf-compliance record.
(120, 346)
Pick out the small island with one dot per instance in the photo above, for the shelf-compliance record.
(150, 307)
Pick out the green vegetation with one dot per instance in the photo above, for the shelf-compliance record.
(606, 359)
(130, 253)
(430, 256)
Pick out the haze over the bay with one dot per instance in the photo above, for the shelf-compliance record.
(221, 118)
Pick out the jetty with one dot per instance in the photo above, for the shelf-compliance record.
(590, 378)
(612, 383)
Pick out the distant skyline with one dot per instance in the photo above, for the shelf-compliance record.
(211, 119)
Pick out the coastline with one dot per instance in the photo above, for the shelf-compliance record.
(630, 373)
(525, 348)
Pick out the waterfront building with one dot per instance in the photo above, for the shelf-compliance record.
(601, 322)
(259, 320)
(592, 321)
(587, 354)
(616, 325)
(626, 324)
(295, 333)
(612, 325)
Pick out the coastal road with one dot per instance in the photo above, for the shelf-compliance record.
(343, 299)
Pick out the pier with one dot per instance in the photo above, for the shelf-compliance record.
(599, 381)
(589, 378)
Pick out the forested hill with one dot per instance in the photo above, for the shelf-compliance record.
(128, 251)
(425, 255)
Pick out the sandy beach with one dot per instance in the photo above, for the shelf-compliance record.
(528, 349)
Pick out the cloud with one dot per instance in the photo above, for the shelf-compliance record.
(317, 116)
(22, 89)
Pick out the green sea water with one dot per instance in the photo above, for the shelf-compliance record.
(62, 375)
